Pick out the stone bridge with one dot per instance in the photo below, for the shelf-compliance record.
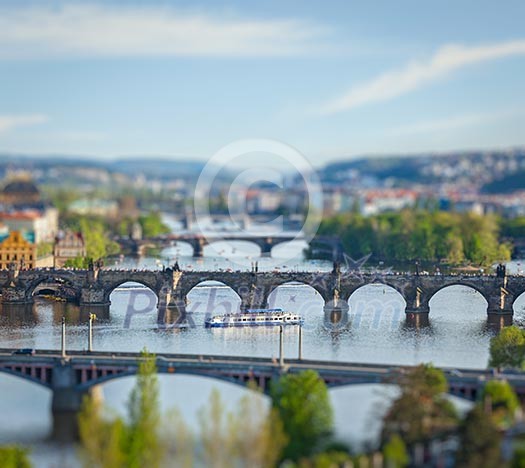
(198, 242)
(93, 287)
(76, 374)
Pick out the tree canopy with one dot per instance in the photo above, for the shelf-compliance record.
(303, 404)
(421, 410)
(507, 349)
(420, 235)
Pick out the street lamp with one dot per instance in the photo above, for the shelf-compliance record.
(90, 332)
(281, 347)
(63, 341)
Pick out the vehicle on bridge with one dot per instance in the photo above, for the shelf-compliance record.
(254, 317)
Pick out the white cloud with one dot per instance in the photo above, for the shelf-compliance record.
(417, 74)
(102, 30)
(10, 122)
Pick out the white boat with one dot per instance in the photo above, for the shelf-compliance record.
(255, 317)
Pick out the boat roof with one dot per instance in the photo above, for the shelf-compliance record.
(263, 310)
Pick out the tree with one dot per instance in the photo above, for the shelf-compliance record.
(257, 435)
(395, 452)
(250, 437)
(303, 404)
(101, 439)
(143, 442)
(152, 225)
(12, 456)
(503, 402)
(479, 441)
(115, 443)
(507, 349)
(421, 410)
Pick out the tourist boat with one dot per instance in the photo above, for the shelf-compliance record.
(255, 317)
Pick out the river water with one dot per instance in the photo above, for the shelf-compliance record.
(457, 336)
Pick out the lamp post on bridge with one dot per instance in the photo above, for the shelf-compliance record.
(90, 332)
(63, 341)
(281, 347)
(300, 343)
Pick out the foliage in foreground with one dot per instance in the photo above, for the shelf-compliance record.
(421, 410)
(479, 441)
(117, 443)
(250, 436)
(12, 456)
(507, 349)
(303, 404)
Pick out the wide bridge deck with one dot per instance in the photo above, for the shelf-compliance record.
(90, 369)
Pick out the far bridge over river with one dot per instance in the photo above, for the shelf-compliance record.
(93, 287)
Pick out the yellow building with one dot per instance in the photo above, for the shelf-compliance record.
(16, 249)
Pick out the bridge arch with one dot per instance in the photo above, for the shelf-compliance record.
(296, 244)
(518, 304)
(241, 379)
(277, 282)
(178, 248)
(244, 247)
(376, 284)
(376, 304)
(215, 302)
(431, 296)
(55, 281)
(316, 301)
(112, 287)
(37, 375)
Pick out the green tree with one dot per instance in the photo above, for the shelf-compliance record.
(395, 452)
(144, 447)
(503, 402)
(115, 443)
(101, 439)
(303, 404)
(152, 225)
(250, 437)
(479, 441)
(507, 349)
(421, 410)
(12, 456)
(43, 249)
(417, 234)
(77, 262)
(518, 458)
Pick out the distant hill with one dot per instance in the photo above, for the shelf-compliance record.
(477, 168)
(508, 184)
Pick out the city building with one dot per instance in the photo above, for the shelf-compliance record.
(68, 245)
(22, 209)
(19, 193)
(16, 249)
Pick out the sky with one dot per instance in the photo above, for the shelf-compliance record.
(334, 79)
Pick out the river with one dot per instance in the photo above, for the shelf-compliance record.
(457, 336)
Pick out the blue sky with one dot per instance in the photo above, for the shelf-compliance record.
(332, 78)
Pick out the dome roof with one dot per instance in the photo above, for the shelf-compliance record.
(20, 187)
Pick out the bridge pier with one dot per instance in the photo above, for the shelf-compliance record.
(198, 248)
(336, 315)
(497, 321)
(417, 320)
(93, 296)
(67, 403)
(174, 315)
(16, 295)
(266, 248)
